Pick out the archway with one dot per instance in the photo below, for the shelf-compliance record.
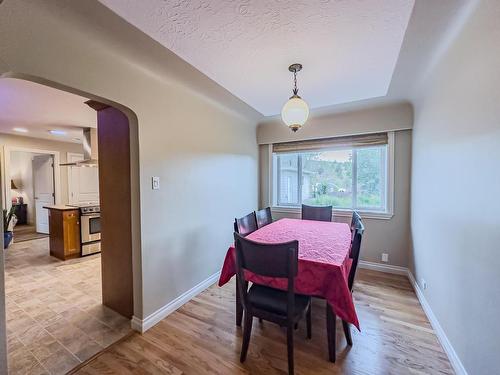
(121, 276)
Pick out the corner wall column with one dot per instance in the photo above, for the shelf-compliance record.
(113, 137)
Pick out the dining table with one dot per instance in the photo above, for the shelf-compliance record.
(323, 267)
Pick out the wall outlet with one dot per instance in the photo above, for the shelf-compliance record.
(155, 182)
(385, 257)
(424, 284)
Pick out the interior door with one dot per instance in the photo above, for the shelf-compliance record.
(83, 182)
(43, 184)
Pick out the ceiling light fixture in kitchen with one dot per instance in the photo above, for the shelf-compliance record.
(57, 132)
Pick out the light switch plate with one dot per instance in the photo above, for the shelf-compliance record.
(385, 257)
(155, 182)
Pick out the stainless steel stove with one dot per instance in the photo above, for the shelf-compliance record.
(90, 227)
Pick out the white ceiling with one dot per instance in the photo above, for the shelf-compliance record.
(349, 49)
(38, 109)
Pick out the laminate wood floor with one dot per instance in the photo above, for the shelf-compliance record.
(201, 338)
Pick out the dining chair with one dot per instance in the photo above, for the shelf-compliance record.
(359, 229)
(354, 220)
(318, 213)
(355, 250)
(246, 224)
(330, 315)
(282, 307)
(263, 217)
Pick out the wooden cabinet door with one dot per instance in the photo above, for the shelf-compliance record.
(71, 220)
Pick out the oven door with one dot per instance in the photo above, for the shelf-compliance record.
(91, 227)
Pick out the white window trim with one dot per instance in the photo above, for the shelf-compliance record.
(343, 212)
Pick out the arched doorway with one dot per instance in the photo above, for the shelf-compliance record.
(118, 183)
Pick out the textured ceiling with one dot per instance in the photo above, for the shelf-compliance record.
(349, 48)
(39, 108)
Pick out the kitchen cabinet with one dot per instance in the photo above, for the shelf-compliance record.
(64, 229)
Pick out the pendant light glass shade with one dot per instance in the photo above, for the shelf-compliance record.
(295, 113)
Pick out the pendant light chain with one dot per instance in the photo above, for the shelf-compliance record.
(295, 89)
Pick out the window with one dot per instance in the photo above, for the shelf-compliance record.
(354, 177)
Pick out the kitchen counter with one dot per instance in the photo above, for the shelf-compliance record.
(64, 229)
(59, 207)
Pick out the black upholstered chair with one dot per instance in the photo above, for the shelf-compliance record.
(246, 224)
(318, 213)
(330, 316)
(278, 306)
(358, 231)
(264, 217)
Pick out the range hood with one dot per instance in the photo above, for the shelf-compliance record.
(90, 155)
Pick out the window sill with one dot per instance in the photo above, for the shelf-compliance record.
(341, 213)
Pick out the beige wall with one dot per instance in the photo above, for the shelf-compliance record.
(381, 236)
(455, 189)
(193, 134)
(12, 142)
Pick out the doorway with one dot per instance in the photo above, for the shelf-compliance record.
(43, 186)
(93, 325)
(29, 188)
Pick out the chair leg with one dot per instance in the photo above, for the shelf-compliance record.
(347, 332)
(308, 321)
(260, 320)
(239, 307)
(247, 331)
(331, 329)
(289, 346)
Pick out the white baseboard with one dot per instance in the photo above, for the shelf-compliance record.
(142, 325)
(136, 324)
(443, 339)
(387, 268)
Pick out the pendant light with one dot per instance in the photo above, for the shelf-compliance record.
(295, 111)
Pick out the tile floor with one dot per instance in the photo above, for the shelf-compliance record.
(55, 319)
(27, 232)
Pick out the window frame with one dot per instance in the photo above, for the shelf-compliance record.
(366, 213)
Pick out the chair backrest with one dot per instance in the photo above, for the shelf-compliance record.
(278, 260)
(246, 224)
(355, 250)
(355, 222)
(356, 218)
(263, 217)
(318, 213)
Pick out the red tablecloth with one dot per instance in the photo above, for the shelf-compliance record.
(324, 261)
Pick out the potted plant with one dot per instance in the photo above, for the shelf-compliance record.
(8, 215)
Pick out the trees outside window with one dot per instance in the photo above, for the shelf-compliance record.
(353, 178)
